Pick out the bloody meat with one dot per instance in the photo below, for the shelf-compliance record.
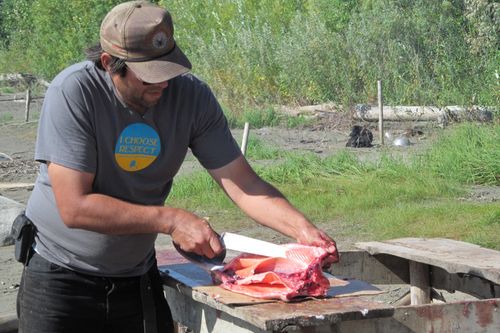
(299, 274)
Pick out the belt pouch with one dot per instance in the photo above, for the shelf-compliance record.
(23, 232)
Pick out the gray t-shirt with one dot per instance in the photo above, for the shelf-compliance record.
(134, 157)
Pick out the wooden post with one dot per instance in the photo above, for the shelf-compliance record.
(245, 138)
(381, 113)
(27, 108)
(419, 283)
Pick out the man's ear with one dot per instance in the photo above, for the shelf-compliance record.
(105, 61)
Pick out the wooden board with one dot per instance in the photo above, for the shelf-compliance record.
(276, 315)
(460, 317)
(12, 186)
(451, 255)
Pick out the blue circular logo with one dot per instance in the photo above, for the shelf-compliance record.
(137, 147)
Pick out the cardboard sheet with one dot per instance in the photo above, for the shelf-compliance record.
(341, 287)
(200, 280)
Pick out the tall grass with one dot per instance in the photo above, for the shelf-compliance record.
(259, 117)
(469, 154)
(336, 50)
(257, 150)
(267, 52)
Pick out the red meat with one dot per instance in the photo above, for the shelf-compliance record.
(299, 274)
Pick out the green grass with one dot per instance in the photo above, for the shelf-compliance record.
(370, 200)
(7, 90)
(265, 117)
(6, 117)
(298, 121)
(257, 150)
(469, 154)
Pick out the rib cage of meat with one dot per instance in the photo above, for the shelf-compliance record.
(297, 275)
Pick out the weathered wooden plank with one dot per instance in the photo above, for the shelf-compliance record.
(423, 113)
(388, 269)
(379, 269)
(453, 256)
(469, 284)
(203, 318)
(278, 316)
(11, 186)
(420, 290)
(469, 316)
(476, 316)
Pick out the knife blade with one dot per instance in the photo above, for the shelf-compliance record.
(235, 242)
(245, 244)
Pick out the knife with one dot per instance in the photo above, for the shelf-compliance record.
(213, 264)
(251, 245)
(238, 243)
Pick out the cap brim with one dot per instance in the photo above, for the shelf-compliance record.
(161, 69)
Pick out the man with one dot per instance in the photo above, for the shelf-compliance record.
(112, 135)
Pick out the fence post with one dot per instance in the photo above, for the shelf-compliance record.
(27, 108)
(381, 113)
(245, 138)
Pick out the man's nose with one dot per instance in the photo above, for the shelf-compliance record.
(162, 85)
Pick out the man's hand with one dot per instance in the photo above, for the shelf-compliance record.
(193, 234)
(317, 237)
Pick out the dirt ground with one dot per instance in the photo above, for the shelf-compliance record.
(328, 134)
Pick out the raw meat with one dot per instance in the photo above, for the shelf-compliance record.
(299, 274)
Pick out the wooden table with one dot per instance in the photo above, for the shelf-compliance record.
(209, 308)
(453, 256)
(451, 266)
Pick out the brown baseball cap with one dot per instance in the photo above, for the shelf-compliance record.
(142, 34)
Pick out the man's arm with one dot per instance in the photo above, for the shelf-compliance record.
(266, 205)
(80, 208)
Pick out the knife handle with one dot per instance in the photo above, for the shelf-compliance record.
(196, 258)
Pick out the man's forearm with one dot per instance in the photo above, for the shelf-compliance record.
(80, 207)
(266, 205)
(260, 200)
(108, 215)
(269, 207)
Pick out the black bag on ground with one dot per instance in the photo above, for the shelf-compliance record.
(360, 137)
(23, 232)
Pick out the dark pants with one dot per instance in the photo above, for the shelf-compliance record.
(53, 299)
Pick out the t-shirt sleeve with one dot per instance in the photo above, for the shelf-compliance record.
(65, 131)
(212, 142)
